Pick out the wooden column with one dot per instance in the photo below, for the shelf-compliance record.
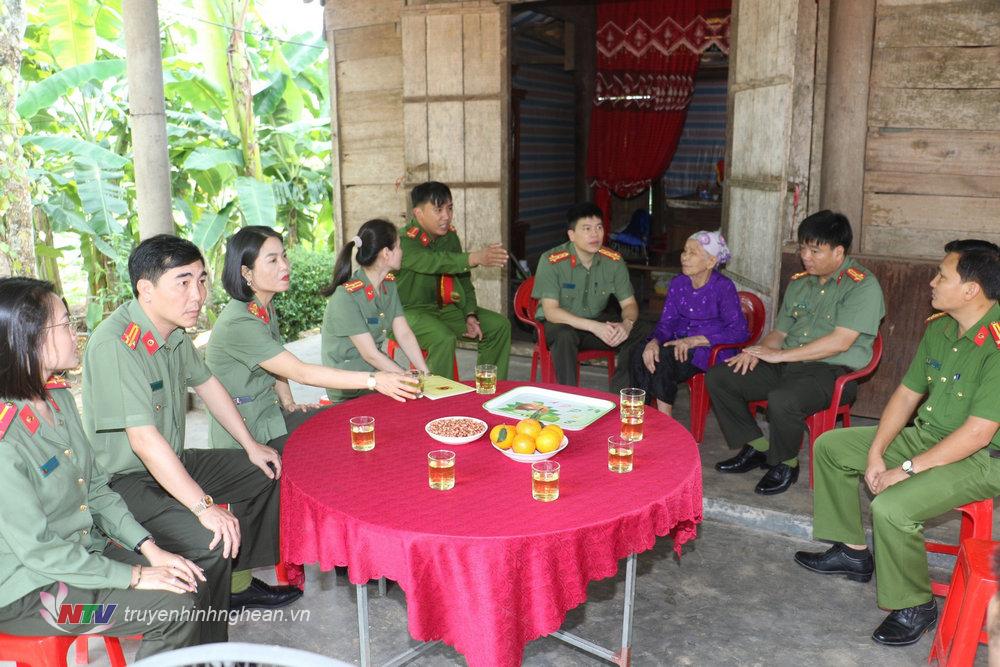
(849, 61)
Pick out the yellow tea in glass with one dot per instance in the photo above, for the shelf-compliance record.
(486, 379)
(363, 434)
(620, 454)
(545, 481)
(632, 407)
(441, 469)
(417, 378)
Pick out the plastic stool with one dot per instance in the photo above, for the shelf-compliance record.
(51, 651)
(977, 523)
(390, 352)
(973, 584)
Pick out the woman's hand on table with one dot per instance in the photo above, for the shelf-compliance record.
(224, 527)
(300, 407)
(396, 386)
(651, 355)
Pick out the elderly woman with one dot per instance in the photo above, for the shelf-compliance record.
(57, 512)
(702, 309)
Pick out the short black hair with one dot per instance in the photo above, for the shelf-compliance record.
(978, 262)
(25, 311)
(578, 212)
(157, 255)
(242, 249)
(827, 227)
(434, 192)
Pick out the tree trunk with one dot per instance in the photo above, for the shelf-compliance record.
(238, 68)
(17, 237)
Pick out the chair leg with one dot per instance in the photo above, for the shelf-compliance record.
(82, 650)
(115, 654)
(699, 407)
(534, 364)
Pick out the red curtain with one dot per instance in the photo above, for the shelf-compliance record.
(647, 57)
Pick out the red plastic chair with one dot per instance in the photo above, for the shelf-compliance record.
(51, 651)
(393, 346)
(825, 420)
(525, 308)
(753, 310)
(977, 523)
(973, 585)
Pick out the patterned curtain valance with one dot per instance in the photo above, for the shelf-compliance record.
(638, 38)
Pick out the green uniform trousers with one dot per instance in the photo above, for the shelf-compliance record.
(136, 613)
(899, 512)
(564, 342)
(229, 477)
(438, 330)
(793, 391)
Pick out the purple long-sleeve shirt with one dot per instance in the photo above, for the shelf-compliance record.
(713, 311)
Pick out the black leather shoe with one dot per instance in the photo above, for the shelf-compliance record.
(837, 560)
(748, 459)
(903, 627)
(264, 596)
(777, 480)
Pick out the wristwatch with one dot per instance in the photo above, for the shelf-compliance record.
(372, 381)
(908, 468)
(202, 505)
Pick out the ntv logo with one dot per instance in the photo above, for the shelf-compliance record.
(55, 613)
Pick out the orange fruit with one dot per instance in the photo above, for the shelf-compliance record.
(554, 429)
(547, 441)
(502, 435)
(529, 427)
(523, 444)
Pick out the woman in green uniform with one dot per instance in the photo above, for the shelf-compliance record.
(364, 307)
(57, 512)
(247, 354)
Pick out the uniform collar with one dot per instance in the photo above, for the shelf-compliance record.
(369, 290)
(979, 333)
(138, 315)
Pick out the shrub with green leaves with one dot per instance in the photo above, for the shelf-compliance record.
(302, 306)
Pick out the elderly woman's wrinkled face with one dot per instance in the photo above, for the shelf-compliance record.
(695, 260)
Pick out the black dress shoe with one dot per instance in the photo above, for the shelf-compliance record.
(903, 627)
(748, 459)
(777, 480)
(837, 560)
(264, 596)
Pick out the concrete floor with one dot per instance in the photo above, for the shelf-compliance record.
(734, 598)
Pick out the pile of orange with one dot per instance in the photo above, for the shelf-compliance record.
(527, 437)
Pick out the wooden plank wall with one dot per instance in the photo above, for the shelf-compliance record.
(932, 163)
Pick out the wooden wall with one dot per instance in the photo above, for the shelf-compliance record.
(932, 160)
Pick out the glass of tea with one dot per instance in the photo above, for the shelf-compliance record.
(545, 481)
(486, 379)
(441, 469)
(363, 434)
(631, 408)
(417, 378)
(620, 454)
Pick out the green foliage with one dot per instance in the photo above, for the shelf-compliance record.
(301, 308)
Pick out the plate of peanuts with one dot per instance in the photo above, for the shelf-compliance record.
(456, 430)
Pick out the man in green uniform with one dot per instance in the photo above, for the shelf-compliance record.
(825, 327)
(573, 284)
(435, 286)
(949, 457)
(137, 368)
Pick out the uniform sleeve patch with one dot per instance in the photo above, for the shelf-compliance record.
(131, 335)
(610, 254)
(800, 274)
(353, 286)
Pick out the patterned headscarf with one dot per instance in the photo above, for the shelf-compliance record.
(714, 244)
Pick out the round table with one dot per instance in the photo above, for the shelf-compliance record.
(484, 567)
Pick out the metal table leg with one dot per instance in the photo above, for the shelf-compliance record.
(364, 632)
(622, 657)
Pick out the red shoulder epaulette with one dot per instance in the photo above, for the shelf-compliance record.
(610, 254)
(354, 285)
(258, 312)
(557, 257)
(855, 275)
(131, 335)
(995, 332)
(57, 382)
(800, 274)
(7, 412)
(935, 316)
(412, 232)
(391, 277)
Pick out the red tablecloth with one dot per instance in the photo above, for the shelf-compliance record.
(484, 567)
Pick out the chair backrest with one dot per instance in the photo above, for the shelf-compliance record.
(876, 357)
(753, 310)
(525, 307)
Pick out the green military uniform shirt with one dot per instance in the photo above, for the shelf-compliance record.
(52, 496)
(959, 374)
(435, 271)
(851, 298)
(132, 377)
(245, 335)
(581, 291)
(355, 308)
